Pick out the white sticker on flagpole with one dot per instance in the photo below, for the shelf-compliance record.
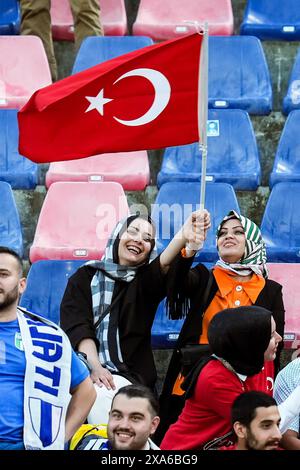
(213, 128)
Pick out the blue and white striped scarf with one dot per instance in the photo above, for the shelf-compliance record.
(47, 382)
(102, 287)
(255, 257)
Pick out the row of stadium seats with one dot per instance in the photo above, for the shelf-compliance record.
(77, 217)
(238, 75)
(244, 82)
(160, 20)
(232, 150)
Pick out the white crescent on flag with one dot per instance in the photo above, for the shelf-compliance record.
(162, 93)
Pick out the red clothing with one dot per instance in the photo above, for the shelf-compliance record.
(263, 381)
(233, 447)
(207, 414)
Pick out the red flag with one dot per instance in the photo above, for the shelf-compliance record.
(146, 99)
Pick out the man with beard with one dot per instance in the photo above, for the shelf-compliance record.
(38, 372)
(133, 418)
(255, 420)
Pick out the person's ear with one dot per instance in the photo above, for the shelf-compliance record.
(22, 285)
(239, 429)
(154, 423)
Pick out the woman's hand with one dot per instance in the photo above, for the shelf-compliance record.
(101, 376)
(195, 230)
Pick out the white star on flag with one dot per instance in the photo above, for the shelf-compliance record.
(97, 102)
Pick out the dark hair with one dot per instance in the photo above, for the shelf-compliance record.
(224, 221)
(244, 406)
(140, 391)
(9, 251)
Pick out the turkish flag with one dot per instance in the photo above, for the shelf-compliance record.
(146, 99)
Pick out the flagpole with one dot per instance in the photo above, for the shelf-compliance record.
(203, 110)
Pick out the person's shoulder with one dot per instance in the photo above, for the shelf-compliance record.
(213, 368)
(292, 369)
(271, 284)
(83, 272)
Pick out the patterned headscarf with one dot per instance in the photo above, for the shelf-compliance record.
(102, 286)
(254, 258)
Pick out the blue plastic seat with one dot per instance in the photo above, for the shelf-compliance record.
(46, 283)
(281, 223)
(238, 74)
(291, 100)
(9, 17)
(165, 331)
(97, 49)
(10, 227)
(17, 170)
(232, 153)
(287, 160)
(275, 19)
(175, 201)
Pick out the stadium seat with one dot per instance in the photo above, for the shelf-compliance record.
(130, 169)
(165, 331)
(175, 201)
(113, 19)
(9, 17)
(15, 169)
(239, 75)
(232, 153)
(166, 19)
(288, 275)
(291, 100)
(281, 223)
(23, 69)
(76, 220)
(287, 160)
(10, 227)
(276, 19)
(46, 282)
(97, 49)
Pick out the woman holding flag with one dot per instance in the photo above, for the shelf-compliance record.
(109, 305)
(239, 278)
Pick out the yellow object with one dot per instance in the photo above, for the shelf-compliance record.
(86, 429)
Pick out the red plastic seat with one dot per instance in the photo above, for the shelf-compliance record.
(130, 169)
(113, 18)
(76, 220)
(288, 275)
(165, 19)
(23, 69)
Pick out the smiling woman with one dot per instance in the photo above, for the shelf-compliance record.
(239, 278)
(109, 305)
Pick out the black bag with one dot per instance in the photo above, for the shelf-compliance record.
(191, 354)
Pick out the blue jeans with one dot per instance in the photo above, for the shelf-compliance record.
(5, 445)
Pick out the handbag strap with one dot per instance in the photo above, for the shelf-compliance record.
(207, 291)
(109, 307)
